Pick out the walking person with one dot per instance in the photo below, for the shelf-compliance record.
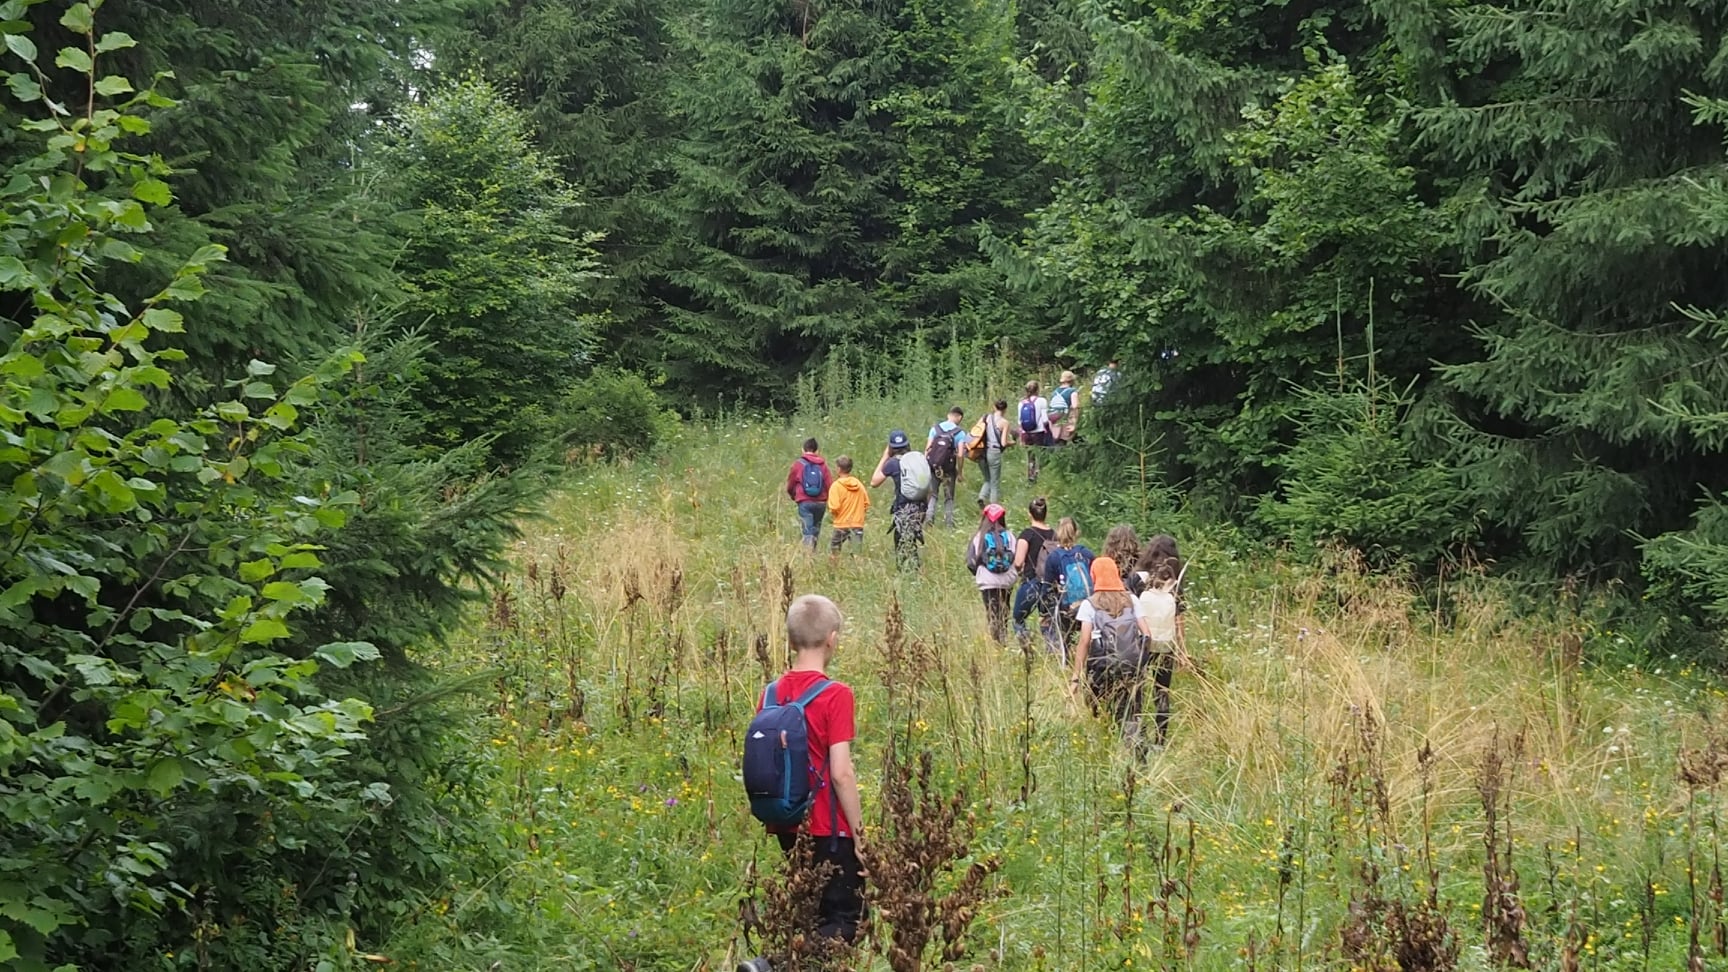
(992, 438)
(990, 558)
(1034, 427)
(910, 474)
(1065, 413)
(944, 449)
(1030, 551)
(807, 485)
(1067, 571)
(1160, 571)
(847, 503)
(1102, 381)
(1122, 545)
(831, 824)
(1110, 657)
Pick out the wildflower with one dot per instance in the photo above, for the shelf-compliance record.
(671, 801)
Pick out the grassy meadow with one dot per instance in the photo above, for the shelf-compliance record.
(1360, 776)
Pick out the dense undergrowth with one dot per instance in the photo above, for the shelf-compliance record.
(1361, 775)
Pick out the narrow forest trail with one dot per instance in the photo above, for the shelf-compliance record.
(647, 610)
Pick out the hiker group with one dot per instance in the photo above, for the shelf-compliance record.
(1113, 633)
(926, 482)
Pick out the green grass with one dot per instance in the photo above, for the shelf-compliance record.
(1292, 785)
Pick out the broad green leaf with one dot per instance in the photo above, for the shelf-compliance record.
(24, 87)
(114, 40)
(264, 629)
(345, 653)
(78, 19)
(75, 59)
(283, 591)
(152, 191)
(163, 319)
(253, 571)
(113, 85)
(22, 46)
(8, 951)
(165, 775)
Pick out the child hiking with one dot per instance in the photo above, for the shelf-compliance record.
(1031, 551)
(988, 438)
(1067, 571)
(819, 786)
(1034, 427)
(807, 486)
(1159, 573)
(990, 558)
(910, 473)
(1065, 412)
(1110, 657)
(945, 449)
(847, 503)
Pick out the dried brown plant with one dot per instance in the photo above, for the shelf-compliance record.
(926, 836)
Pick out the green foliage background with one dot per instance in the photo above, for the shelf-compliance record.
(307, 305)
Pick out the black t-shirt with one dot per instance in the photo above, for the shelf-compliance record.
(1035, 538)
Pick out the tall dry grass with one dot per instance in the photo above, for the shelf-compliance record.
(1321, 802)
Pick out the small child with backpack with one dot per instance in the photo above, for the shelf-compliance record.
(848, 501)
(990, 558)
(1111, 656)
(1067, 575)
(797, 766)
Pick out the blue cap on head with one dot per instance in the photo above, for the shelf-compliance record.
(897, 440)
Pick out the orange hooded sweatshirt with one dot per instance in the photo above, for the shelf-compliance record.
(847, 501)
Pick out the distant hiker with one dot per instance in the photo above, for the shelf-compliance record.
(1102, 381)
(944, 449)
(1160, 571)
(1031, 550)
(1067, 571)
(807, 484)
(1122, 545)
(847, 502)
(990, 558)
(1064, 410)
(820, 783)
(1110, 656)
(985, 442)
(1034, 427)
(910, 473)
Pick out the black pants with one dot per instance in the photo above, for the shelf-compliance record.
(996, 611)
(842, 904)
(1123, 696)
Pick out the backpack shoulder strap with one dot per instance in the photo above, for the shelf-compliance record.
(810, 694)
(769, 698)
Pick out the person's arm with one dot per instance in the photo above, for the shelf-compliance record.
(878, 477)
(792, 482)
(1080, 658)
(844, 778)
(1020, 548)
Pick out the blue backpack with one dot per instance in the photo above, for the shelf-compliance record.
(998, 554)
(1028, 416)
(1076, 578)
(811, 479)
(777, 773)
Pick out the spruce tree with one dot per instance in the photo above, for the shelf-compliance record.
(783, 190)
(1582, 157)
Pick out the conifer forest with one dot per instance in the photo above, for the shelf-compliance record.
(398, 398)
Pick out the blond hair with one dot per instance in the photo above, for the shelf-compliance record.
(811, 621)
(1112, 603)
(1067, 531)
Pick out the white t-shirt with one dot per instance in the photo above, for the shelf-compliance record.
(1041, 409)
(1086, 613)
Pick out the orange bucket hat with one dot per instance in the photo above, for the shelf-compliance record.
(1105, 576)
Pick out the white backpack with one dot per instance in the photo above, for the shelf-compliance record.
(1158, 608)
(914, 476)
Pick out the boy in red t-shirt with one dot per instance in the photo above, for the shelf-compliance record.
(836, 817)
